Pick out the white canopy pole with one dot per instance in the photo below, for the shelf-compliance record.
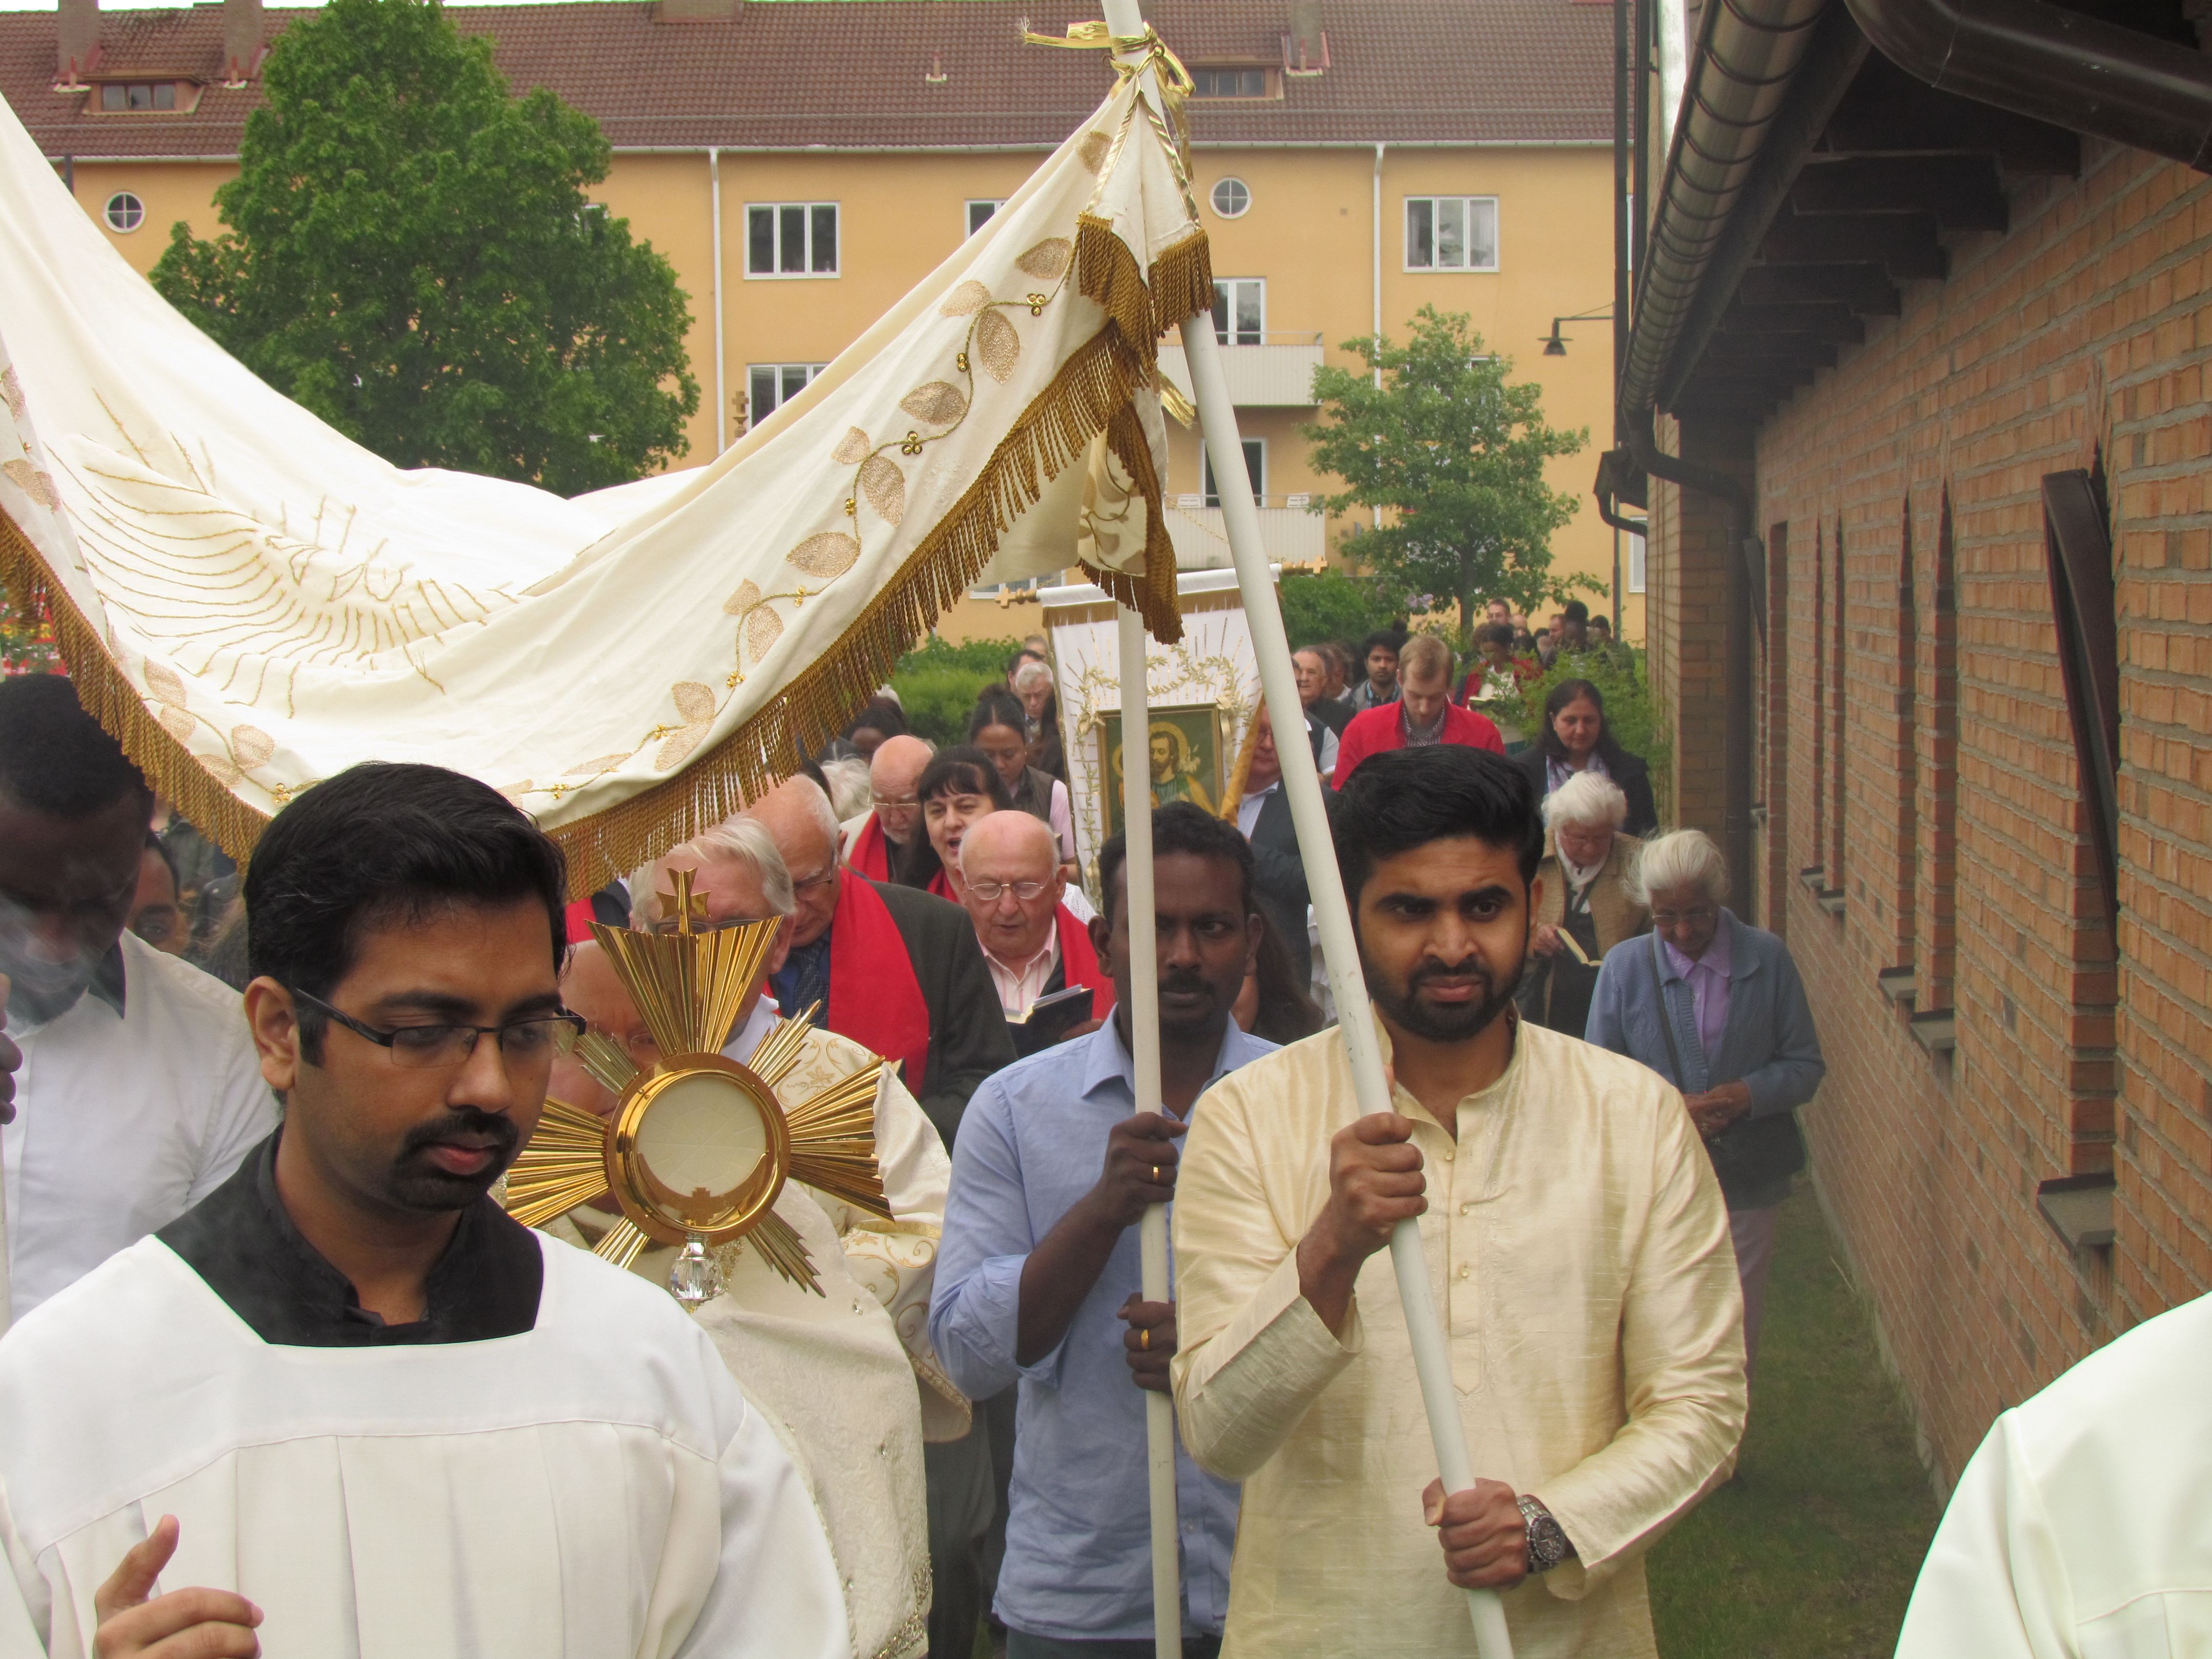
(1216, 414)
(1144, 1050)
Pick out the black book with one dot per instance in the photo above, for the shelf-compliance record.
(1049, 1019)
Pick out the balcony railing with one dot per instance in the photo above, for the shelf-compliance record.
(1289, 533)
(1266, 371)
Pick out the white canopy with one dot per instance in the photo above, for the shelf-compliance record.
(252, 602)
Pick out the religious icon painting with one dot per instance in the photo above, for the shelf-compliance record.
(1183, 754)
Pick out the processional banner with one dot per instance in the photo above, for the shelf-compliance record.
(252, 602)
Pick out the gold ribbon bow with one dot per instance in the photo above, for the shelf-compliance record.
(1133, 55)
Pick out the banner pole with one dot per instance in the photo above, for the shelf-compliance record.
(1145, 1051)
(1216, 414)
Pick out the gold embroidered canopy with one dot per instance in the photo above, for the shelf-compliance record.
(252, 602)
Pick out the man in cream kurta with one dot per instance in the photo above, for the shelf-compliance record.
(1577, 1247)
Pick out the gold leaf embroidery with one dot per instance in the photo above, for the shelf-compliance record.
(34, 483)
(178, 724)
(935, 402)
(1048, 258)
(1091, 152)
(970, 297)
(603, 764)
(998, 346)
(516, 791)
(220, 770)
(165, 683)
(831, 554)
(11, 392)
(882, 482)
(679, 744)
(743, 600)
(250, 746)
(853, 448)
(694, 702)
(762, 630)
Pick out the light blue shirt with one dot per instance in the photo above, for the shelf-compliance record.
(1079, 1536)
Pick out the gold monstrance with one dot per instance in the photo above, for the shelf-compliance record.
(697, 1146)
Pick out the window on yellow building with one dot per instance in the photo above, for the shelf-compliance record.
(791, 238)
(1231, 197)
(1240, 82)
(1255, 465)
(979, 212)
(128, 95)
(768, 387)
(1240, 310)
(1451, 233)
(124, 212)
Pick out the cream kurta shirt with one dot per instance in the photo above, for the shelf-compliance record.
(1578, 1247)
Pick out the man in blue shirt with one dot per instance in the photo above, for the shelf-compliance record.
(1037, 1276)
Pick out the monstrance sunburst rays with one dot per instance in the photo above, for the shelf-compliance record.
(697, 1147)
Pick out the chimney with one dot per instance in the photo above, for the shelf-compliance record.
(697, 11)
(242, 36)
(77, 41)
(1305, 48)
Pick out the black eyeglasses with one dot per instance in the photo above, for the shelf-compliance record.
(527, 1043)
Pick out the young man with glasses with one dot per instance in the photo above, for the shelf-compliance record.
(361, 1409)
(138, 1091)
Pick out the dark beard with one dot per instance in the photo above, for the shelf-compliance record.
(418, 1184)
(1457, 1022)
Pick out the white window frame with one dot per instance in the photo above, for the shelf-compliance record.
(1255, 462)
(1233, 284)
(1214, 199)
(992, 203)
(808, 210)
(1637, 571)
(107, 212)
(1406, 226)
(755, 416)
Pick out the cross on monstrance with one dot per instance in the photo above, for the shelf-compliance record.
(697, 1146)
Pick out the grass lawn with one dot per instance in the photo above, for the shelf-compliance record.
(1814, 1549)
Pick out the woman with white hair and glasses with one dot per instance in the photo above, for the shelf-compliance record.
(1715, 1006)
(1584, 907)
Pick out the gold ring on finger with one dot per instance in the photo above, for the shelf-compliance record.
(1144, 1337)
(1156, 1174)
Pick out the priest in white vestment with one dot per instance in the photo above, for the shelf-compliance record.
(389, 1422)
(2078, 1530)
(848, 1377)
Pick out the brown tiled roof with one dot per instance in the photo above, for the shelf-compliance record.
(791, 73)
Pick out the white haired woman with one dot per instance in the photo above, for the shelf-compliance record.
(1585, 907)
(1715, 1006)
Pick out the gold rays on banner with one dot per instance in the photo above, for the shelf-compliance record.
(697, 1147)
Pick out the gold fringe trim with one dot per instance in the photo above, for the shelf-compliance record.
(106, 693)
(1232, 797)
(1092, 389)
(1143, 305)
(1152, 595)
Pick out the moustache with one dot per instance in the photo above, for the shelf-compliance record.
(1430, 971)
(1184, 982)
(464, 1122)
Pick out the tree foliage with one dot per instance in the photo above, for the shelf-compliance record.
(411, 255)
(1454, 449)
(1336, 604)
(937, 684)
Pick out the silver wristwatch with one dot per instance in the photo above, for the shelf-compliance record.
(1547, 1541)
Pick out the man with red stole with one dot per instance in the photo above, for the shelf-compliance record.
(873, 842)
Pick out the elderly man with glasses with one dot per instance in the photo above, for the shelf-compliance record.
(872, 841)
(1034, 940)
(1714, 1005)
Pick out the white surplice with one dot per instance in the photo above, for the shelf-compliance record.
(594, 1488)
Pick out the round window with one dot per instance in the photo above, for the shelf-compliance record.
(125, 211)
(1231, 198)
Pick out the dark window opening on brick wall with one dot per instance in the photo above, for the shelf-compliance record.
(1904, 719)
(1935, 898)
(1839, 725)
(2078, 538)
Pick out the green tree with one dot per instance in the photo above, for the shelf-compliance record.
(411, 256)
(1454, 449)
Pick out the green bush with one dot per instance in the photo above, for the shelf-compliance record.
(1623, 681)
(938, 682)
(1335, 604)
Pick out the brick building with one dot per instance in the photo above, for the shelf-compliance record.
(1930, 596)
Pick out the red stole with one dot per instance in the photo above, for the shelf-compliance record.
(1080, 963)
(871, 851)
(874, 997)
(941, 885)
(578, 919)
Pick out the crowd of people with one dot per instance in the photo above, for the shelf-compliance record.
(282, 1371)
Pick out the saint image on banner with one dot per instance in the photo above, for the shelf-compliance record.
(1184, 759)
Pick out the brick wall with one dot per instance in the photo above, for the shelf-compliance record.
(1917, 757)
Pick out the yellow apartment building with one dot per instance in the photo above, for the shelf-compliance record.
(802, 163)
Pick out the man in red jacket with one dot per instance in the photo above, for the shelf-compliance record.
(1424, 713)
